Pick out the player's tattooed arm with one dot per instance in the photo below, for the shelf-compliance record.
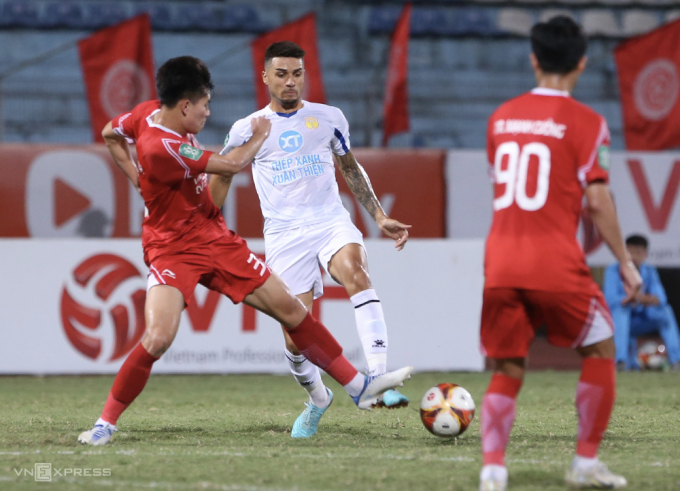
(361, 188)
(120, 151)
(360, 185)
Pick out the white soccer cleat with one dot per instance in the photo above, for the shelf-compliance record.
(99, 435)
(376, 385)
(598, 477)
(493, 478)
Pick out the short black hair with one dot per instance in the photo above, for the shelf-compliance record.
(637, 240)
(184, 77)
(283, 49)
(558, 44)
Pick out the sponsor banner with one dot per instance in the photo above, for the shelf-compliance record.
(77, 191)
(76, 306)
(644, 184)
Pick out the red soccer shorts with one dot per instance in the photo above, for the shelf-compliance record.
(511, 316)
(226, 266)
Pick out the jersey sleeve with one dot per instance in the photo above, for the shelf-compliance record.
(179, 160)
(340, 141)
(124, 125)
(593, 154)
(239, 134)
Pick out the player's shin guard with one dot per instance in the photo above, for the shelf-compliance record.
(498, 416)
(129, 383)
(319, 346)
(595, 395)
(370, 322)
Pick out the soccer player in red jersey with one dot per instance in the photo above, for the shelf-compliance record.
(546, 152)
(186, 240)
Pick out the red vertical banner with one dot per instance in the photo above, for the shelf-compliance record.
(395, 106)
(303, 33)
(118, 69)
(649, 86)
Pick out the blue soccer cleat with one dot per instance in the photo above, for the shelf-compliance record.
(99, 435)
(307, 423)
(392, 399)
(377, 385)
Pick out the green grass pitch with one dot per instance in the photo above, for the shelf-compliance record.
(233, 433)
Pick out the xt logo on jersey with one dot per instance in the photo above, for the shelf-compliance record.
(290, 141)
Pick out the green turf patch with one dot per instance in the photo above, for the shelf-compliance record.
(233, 433)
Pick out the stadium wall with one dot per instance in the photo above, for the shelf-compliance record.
(75, 306)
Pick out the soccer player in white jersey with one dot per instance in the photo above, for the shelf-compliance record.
(306, 225)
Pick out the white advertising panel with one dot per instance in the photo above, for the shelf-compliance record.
(644, 184)
(76, 306)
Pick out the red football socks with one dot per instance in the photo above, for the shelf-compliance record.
(320, 347)
(595, 395)
(498, 415)
(129, 383)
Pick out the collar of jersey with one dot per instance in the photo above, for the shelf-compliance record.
(553, 92)
(149, 121)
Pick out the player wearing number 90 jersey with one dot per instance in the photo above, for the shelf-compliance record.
(544, 148)
(547, 152)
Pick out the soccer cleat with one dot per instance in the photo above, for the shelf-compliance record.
(99, 435)
(392, 399)
(307, 423)
(493, 478)
(598, 476)
(376, 385)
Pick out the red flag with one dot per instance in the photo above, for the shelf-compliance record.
(649, 83)
(395, 106)
(118, 70)
(303, 33)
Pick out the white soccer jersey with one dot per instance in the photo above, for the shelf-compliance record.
(294, 172)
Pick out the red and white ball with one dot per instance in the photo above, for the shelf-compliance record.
(447, 410)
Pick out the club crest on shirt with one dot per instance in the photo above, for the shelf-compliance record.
(193, 153)
(311, 122)
(290, 141)
(603, 157)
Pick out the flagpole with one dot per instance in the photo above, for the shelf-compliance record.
(216, 60)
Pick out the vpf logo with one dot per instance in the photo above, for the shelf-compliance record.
(102, 307)
(290, 141)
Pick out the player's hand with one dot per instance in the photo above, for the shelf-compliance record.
(260, 126)
(632, 282)
(395, 230)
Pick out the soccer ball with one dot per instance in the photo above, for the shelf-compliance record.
(652, 356)
(447, 410)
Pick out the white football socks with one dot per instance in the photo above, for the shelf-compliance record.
(370, 321)
(584, 463)
(308, 376)
(356, 385)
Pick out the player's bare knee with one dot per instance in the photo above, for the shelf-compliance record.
(602, 349)
(156, 342)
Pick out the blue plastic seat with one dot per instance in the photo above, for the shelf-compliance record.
(428, 22)
(473, 21)
(242, 18)
(63, 14)
(19, 14)
(381, 20)
(98, 15)
(160, 15)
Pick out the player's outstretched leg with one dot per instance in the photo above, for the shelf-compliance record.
(498, 415)
(163, 309)
(319, 346)
(595, 395)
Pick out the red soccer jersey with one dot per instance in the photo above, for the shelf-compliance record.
(544, 148)
(182, 216)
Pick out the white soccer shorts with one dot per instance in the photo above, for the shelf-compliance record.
(297, 254)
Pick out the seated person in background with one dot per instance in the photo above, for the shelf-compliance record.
(647, 314)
